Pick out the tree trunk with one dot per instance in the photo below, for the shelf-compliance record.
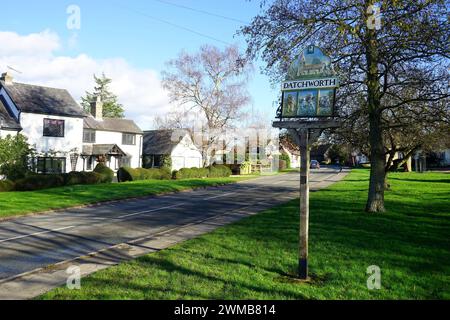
(375, 202)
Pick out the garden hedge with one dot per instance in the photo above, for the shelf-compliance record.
(6, 185)
(39, 182)
(216, 171)
(74, 178)
(32, 182)
(128, 174)
(107, 173)
(219, 171)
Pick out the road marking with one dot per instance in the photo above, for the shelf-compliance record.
(149, 211)
(220, 196)
(36, 234)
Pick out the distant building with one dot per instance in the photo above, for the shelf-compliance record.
(293, 154)
(176, 144)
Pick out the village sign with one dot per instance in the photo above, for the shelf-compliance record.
(310, 86)
(307, 108)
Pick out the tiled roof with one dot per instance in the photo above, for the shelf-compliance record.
(7, 121)
(115, 125)
(43, 100)
(162, 142)
(102, 149)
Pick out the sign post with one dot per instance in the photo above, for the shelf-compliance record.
(307, 108)
(304, 205)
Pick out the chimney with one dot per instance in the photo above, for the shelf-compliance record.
(97, 108)
(7, 78)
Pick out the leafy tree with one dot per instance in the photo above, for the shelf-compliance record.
(285, 157)
(111, 107)
(338, 153)
(15, 153)
(389, 67)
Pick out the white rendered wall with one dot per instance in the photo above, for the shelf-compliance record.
(186, 155)
(107, 137)
(33, 129)
(4, 133)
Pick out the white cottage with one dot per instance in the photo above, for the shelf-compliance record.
(174, 143)
(118, 141)
(65, 137)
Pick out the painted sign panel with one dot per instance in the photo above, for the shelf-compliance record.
(309, 89)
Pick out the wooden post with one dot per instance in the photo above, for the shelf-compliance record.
(304, 204)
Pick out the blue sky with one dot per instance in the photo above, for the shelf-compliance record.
(125, 29)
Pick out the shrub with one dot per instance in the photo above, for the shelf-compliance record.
(74, 178)
(284, 157)
(124, 174)
(14, 154)
(128, 174)
(219, 171)
(6, 185)
(107, 173)
(282, 165)
(39, 182)
(191, 173)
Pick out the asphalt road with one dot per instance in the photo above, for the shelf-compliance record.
(33, 242)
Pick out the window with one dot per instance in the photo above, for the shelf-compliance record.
(129, 139)
(53, 128)
(51, 165)
(124, 162)
(88, 136)
(89, 163)
(157, 161)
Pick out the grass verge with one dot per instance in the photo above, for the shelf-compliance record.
(20, 203)
(255, 258)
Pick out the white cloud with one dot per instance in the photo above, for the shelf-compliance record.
(35, 55)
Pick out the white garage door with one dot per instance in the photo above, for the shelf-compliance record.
(193, 163)
(177, 163)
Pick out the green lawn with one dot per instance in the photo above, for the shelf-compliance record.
(19, 203)
(254, 258)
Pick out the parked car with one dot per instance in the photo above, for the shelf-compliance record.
(315, 164)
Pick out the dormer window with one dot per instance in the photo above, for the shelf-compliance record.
(53, 128)
(88, 136)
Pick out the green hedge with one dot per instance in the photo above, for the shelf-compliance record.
(74, 178)
(39, 182)
(217, 171)
(191, 173)
(34, 182)
(107, 173)
(129, 174)
(6, 185)
(284, 157)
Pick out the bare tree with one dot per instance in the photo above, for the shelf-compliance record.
(379, 62)
(212, 84)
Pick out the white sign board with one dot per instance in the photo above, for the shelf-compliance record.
(310, 84)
